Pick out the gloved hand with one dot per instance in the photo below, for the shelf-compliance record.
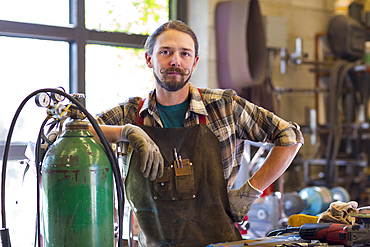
(151, 158)
(241, 200)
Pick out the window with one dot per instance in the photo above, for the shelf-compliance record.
(123, 67)
(36, 11)
(89, 47)
(139, 17)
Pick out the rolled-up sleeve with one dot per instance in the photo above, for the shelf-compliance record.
(289, 135)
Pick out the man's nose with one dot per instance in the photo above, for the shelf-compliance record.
(175, 59)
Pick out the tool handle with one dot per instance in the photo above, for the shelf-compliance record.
(333, 233)
(311, 230)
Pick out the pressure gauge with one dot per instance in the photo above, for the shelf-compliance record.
(58, 97)
(42, 100)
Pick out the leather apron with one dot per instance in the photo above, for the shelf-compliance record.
(189, 205)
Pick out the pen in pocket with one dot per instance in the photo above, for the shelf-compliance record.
(176, 158)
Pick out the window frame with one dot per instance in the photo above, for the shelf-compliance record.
(78, 37)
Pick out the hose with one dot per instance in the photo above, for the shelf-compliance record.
(338, 74)
(38, 180)
(109, 151)
(282, 231)
(333, 82)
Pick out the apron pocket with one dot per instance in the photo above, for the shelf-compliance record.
(184, 181)
(162, 186)
(177, 183)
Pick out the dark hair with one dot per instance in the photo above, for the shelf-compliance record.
(176, 25)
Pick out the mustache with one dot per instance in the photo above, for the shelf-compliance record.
(172, 69)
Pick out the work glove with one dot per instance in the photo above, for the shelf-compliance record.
(151, 158)
(340, 212)
(241, 200)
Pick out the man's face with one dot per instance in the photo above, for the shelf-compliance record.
(173, 59)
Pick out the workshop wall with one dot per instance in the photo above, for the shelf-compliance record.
(304, 18)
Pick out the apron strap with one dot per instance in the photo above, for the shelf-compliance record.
(140, 119)
(202, 118)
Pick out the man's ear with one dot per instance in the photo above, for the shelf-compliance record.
(195, 63)
(148, 59)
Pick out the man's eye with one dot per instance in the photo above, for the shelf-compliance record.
(165, 52)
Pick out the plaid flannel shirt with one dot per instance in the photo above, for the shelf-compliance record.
(231, 118)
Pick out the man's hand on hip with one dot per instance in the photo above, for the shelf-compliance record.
(241, 200)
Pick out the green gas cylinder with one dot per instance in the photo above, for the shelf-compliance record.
(77, 186)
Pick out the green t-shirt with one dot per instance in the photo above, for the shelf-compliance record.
(174, 115)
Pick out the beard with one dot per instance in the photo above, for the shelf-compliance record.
(169, 82)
